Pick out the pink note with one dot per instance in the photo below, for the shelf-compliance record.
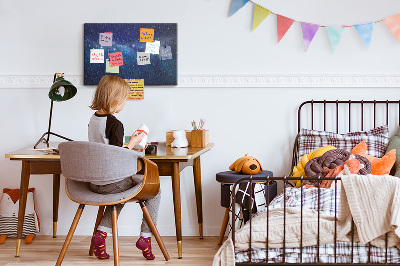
(116, 59)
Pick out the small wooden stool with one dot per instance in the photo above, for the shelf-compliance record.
(229, 178)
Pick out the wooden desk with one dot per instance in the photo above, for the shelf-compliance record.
(170, 162)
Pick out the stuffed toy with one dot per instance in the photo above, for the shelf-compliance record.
(180, 140)
(246, 165)
(298, 170)
(9, 205)
(380, 166)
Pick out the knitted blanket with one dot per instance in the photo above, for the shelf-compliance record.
(372, 201)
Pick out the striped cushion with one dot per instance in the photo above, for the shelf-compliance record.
(377, 139)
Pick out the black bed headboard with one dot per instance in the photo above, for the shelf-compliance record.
(346, 116)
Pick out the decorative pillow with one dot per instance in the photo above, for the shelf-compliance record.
(332, 159)
(377, 139)
(380, 166)
(298, 170)
(394, 143)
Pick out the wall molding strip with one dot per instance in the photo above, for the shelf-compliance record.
(186, 81)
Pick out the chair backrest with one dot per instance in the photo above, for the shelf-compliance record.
(93, 162)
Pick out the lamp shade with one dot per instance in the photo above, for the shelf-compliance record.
(62, 90)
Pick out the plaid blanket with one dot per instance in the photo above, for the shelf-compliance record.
(326, 252)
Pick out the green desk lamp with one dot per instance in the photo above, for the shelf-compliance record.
(61, 90)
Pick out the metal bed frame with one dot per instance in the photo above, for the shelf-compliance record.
(338, 106)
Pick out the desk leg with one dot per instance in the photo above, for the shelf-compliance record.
(197, 187)
(25, 175)
(176, 190)
(56, 199)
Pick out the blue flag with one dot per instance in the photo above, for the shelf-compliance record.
(365, 32)
(236, 5)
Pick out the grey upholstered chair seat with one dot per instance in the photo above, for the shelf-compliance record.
(80, 192)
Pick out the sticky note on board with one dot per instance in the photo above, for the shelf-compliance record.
(143, 59)
(111, 69)
(116, 59)
(137, 89)
(146, 35)
(166, 52)
(97, 56)
(105, 38)
(153, 47)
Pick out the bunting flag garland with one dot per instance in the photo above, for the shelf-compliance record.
(393, 24)
(236, 5)
(335, 34)
(365, 32)
(283, 25)
(309, 30)
(260, 13)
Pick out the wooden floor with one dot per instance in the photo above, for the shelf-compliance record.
(44, 250)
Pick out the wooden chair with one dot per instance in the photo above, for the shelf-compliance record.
(83, 162)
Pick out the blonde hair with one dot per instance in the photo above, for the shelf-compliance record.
(110, 91)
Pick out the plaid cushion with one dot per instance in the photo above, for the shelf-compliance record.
(377, 139)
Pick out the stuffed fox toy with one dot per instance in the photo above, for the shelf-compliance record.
(246, 165)
(9, 205)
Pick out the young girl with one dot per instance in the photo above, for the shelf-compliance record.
(110, 98)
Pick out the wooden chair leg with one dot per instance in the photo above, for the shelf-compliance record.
(154, 230)
(223, 227)
(70, 234)
(98, 220)
(115, 234)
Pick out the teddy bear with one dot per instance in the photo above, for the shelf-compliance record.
(9, 205)
(180, 140)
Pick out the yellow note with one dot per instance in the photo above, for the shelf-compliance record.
(137, 89)
(146, 35)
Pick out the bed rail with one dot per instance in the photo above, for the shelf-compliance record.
(285, 180)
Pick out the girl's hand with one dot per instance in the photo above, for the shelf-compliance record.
(135, 139)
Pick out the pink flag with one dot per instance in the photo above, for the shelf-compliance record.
(283, 24)
(309, 31)
(393, 23)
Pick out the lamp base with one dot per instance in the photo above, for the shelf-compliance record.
(45, 139)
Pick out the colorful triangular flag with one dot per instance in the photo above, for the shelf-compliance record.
(309, 31)
(236, 5)
(283, 25)
(335, 35)
(365, 32)
(260, 13)
(393, 23)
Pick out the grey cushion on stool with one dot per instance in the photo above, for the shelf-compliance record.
(228, 178)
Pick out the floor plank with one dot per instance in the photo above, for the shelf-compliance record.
(44, 251)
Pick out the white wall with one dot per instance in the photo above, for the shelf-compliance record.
(40, 38)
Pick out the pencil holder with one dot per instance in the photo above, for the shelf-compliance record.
(199, 138)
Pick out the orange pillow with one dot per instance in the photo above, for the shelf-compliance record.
(380, 166)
